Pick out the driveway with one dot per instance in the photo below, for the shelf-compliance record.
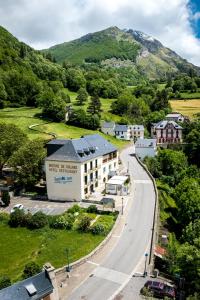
(118, 265)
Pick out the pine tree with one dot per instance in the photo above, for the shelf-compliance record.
(94, 107)
(82, 96)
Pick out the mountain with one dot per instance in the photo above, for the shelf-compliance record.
(117, 48)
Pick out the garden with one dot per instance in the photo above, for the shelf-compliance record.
(39, 238)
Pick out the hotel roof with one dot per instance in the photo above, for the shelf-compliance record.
(82, 149)
(163, 124)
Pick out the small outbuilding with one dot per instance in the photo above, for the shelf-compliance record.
(118, 185)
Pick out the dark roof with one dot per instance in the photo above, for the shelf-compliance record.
(40, 285)
(163, 124)
(83, 149)
(119, 127)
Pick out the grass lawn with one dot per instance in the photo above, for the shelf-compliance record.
(23, 117)
(186, 107)
(20, 246)
(186, 95)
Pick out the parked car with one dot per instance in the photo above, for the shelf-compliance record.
(17, 206)
(160, 289)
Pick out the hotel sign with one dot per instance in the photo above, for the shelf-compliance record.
(62, 168)
(62, 179)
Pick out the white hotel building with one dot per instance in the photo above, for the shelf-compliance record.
(75, 168)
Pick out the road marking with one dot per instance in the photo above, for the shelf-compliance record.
(93, 263)
(111, 275)
(143, 181)
(116, 236)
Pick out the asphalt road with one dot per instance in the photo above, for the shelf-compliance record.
(115, 272)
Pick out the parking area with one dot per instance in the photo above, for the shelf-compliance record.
(33, 206)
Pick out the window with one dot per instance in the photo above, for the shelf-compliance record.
(91, 165)
(85, 179)
(110, 167)
(91, 176)
(85, 168)
(86, 190)
(115, 165)
(96, 174)
(96, 163)
(104, 169)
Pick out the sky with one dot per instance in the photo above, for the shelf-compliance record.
(44, 23)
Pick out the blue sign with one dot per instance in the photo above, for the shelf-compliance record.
(62, 179)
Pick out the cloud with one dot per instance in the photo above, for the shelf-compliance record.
(43, 23)
(196, 16)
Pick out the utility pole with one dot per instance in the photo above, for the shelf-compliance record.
(122, 205)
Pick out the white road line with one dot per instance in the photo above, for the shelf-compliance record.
(116, 236)
(93, 263)
(142, 181)
(111, 275)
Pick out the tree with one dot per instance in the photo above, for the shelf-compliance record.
(192, 148)
(5, 198)
(82, 96)
(17, 218)
(94, 107)
(28, 162)
(11, 139)
(31, 269)
(191, 232)
(187, 195)
(4, 282)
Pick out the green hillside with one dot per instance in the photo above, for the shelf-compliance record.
(123, 50)
(97, 47)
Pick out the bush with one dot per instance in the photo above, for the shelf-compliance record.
(84, 224)
(64, 222)
(75, 208)
(4, 282)
(31, 269)
(98, 229)
(17, 218)
(5, 198)
(92, 209)
(4, 218)
(38, 220)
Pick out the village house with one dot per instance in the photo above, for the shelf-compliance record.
(175, 116)
(145, 147)
(167, 132)
(75, 168)
(108, 128)
(42, 286)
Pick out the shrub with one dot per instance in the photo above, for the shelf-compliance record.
(17, 218)
(31, 269)
(84, 224)
(64, 222)
(92, 209)
(38, 220)
(75, 208)
(4, 217)
(4, 282)
(5, 198)
(98, 229)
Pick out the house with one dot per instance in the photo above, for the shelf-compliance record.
(137, 132)
(117, 185)
(145, 147)
(108, 128)
(37, 287)
(167, 132)
(122, 132)
(175, 116)
(75, 168)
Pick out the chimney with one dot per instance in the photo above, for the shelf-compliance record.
(51, 272)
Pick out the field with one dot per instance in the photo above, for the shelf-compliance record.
(186, 107)
(21, 245)
(24, 117)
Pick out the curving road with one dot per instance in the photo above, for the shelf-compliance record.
(109, 277)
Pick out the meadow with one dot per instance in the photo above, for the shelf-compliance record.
(186, 107)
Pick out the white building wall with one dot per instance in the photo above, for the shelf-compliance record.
(109, 131)
(63, 180)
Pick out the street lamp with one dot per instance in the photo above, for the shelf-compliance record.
(122, 205)
(145, 266)
(68, 267)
